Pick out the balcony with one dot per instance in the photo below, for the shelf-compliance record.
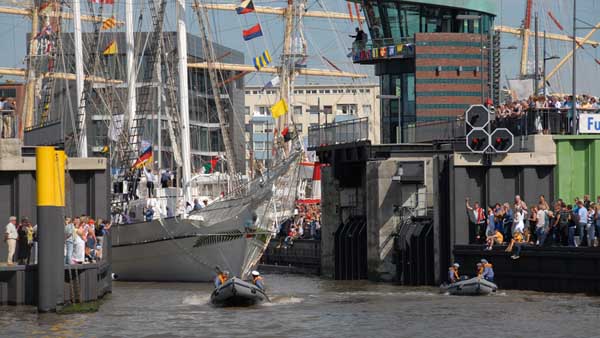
(377, 50)
(338, 133)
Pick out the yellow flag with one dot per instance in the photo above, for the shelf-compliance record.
(109, 23)
(280, 108)
(112, 49)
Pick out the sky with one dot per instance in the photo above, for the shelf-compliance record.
(329, 38)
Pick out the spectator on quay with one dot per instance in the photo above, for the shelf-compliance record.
(318, 229)
(542, 201)
(491, 223)
(541, 225)
(582, 219)
(586, 201)
(533, 220)
(69, 237)
(24, 242)
(507, 221)
(91, 242)
(516, 243)
(477, 221)
(518, 223)
(78, 245)
(520, 204)
(289, 240)
(562, 223)
(590, 226)
(496, 238)
(10, 237)
(573, 221)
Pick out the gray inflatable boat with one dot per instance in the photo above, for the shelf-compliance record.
(471, 287)
(236, 292)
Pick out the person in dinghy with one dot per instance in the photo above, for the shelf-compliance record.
(258, 280)
(222, 277)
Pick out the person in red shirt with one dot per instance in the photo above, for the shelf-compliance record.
(477, 221)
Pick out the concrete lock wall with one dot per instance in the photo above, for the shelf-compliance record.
(383, 196)
(577, 169)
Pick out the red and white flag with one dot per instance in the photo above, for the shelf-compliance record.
(104, 2)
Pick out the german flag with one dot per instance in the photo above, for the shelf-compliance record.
(109, 23)
(144, 158)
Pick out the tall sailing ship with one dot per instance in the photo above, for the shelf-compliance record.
(233, 230)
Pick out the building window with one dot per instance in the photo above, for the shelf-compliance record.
(298, 91)
(259, 127)
(346, 109)
(298, 127)
(313, 125)
(260, 146)
(314, 110)
(366, 109)
(298, 110)
(247, 110)
(328, 110)
(261, 111)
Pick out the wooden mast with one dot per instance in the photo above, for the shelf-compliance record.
(31, 77)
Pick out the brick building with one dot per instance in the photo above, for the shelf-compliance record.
(433, 58)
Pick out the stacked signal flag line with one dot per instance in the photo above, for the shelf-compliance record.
(145, 157)
(263, 60)
(272, 83)
(247, 6)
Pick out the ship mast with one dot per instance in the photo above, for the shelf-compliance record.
(210, 57)
(131, 73)
(186, 171)
(286, 62)
(82, 150)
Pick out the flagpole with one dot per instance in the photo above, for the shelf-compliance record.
(183, 98)
(82, 150)
(131, 78)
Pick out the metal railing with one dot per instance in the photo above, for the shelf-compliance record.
(363, 50)
(551, 121)
(9, 124)
(338, 133)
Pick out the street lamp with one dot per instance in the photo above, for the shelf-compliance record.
(399, 128)
(480, 18)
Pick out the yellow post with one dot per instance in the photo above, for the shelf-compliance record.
(45, 173)
(61, 159)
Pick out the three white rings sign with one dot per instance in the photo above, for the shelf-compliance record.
(589, 123)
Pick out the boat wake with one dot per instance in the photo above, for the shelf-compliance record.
(283, 300)
(197, 300)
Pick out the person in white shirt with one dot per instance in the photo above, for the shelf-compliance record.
(10, 237)
(540, 226)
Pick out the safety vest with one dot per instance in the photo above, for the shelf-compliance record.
(222, 278)
(480, 272)
(255, 279)
(487, 265)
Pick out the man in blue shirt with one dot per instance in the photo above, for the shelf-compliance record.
(582, 221)
(488, 270)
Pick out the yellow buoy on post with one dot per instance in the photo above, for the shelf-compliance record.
(50, 187)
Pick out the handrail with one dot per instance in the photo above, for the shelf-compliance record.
(338, 133)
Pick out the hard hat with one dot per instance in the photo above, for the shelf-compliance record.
(456, 265)
(255, 273)
(484, 261)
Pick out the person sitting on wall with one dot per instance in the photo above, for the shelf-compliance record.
(453, 275)
(496, 238)
(517, 243)
(488, 270)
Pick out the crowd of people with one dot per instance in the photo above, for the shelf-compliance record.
(543, 224)
(305, 224)
(83, 240)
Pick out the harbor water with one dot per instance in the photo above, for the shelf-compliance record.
(310, 307)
